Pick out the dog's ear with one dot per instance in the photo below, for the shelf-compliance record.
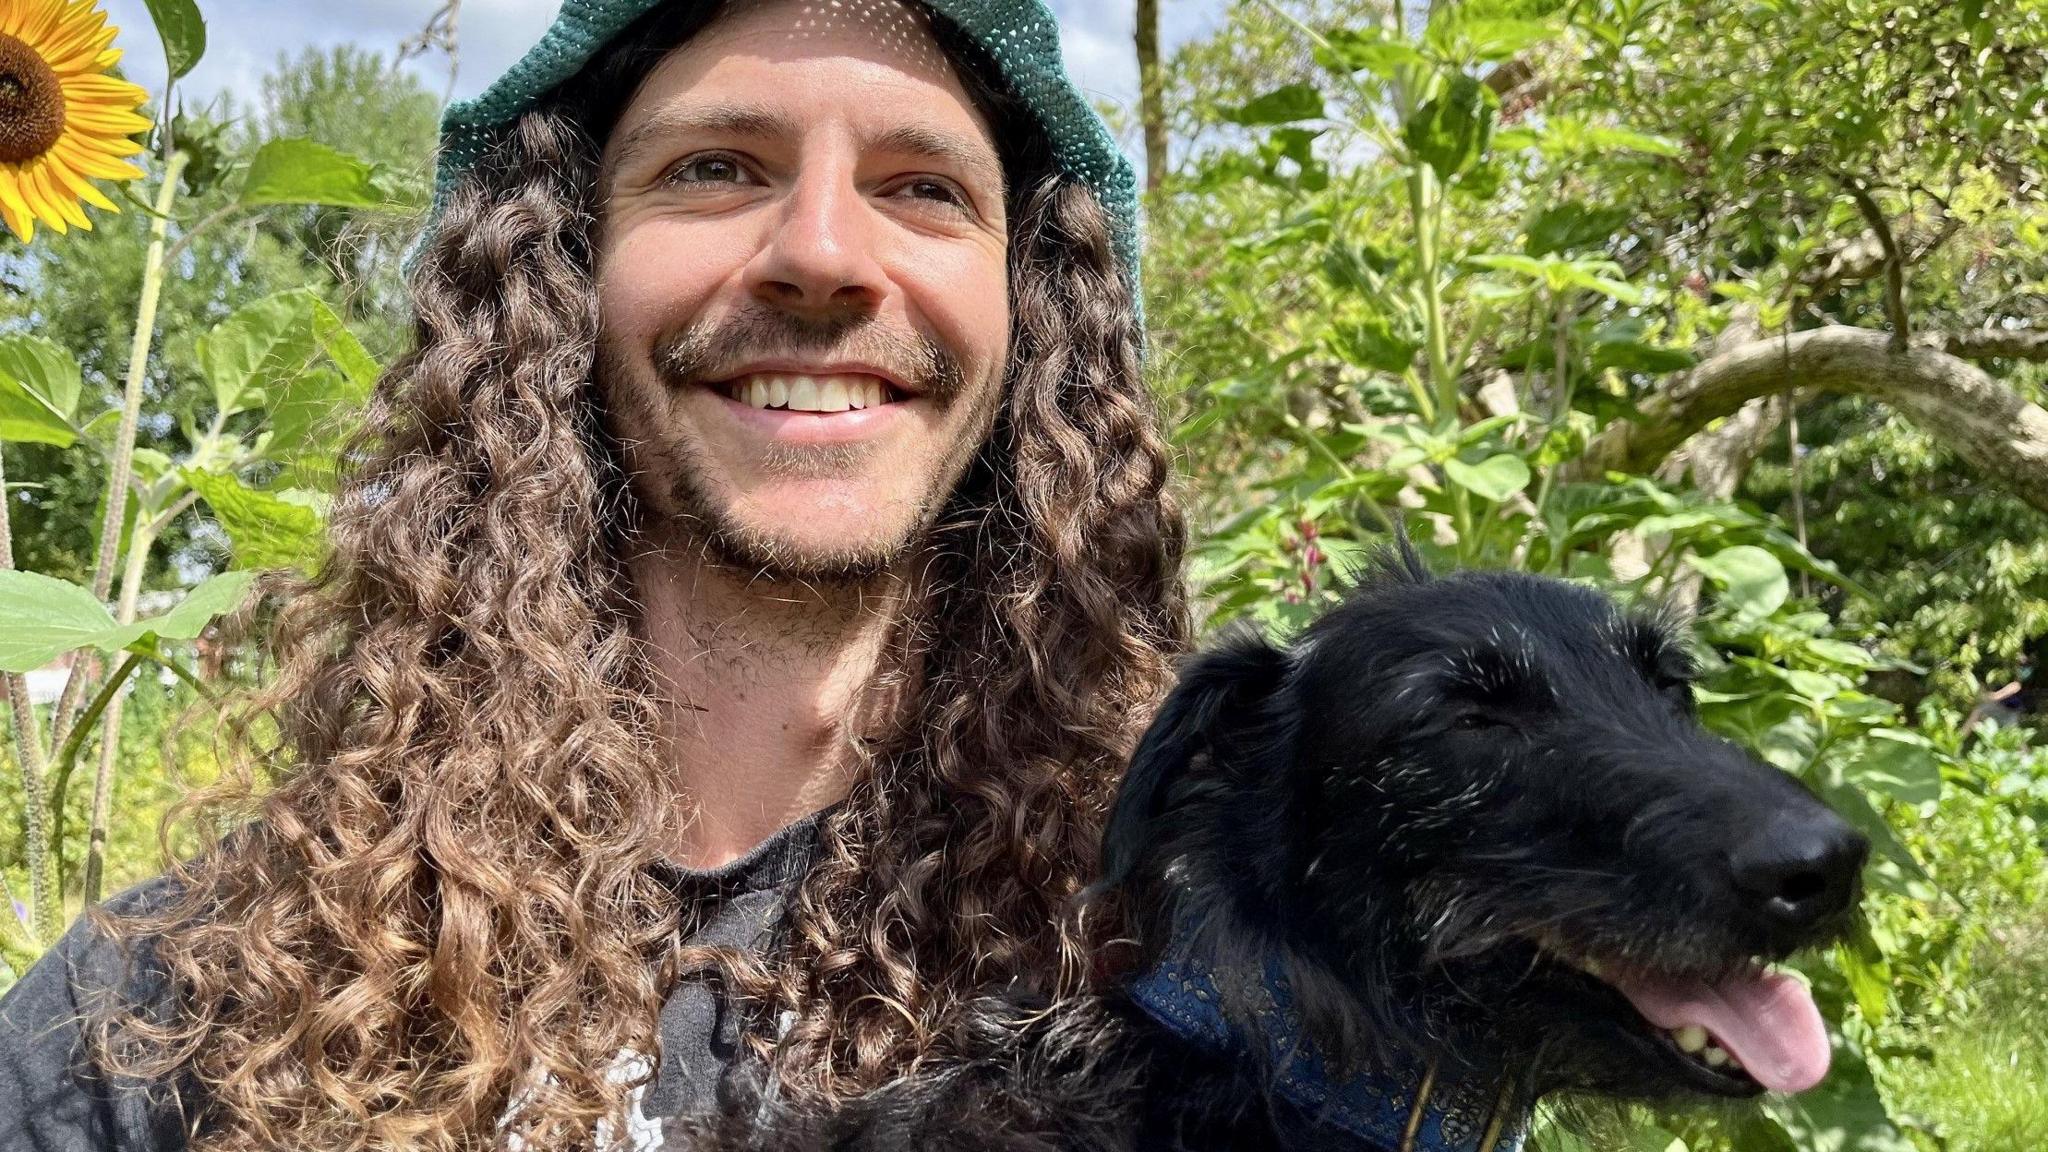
(1222, 689)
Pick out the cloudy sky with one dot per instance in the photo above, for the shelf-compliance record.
(244, 38)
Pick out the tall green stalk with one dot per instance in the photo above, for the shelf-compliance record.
(153, 268)
(46, 906)
(121, 466)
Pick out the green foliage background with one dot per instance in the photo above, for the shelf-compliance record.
(1407, 260)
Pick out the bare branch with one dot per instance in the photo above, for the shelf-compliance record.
(2030, 344)
(1894, 266)
(1998, 431)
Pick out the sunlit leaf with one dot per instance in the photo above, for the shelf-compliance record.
(214, 597)
(39, 385)
(1285, 105)
(259, 349)
(1899, 764)
(1368, 50)
(1451, 131)
(1495, 478)
(1752, 581)
(183, 31)
(42, 618)
(265, 529)
(295, 171)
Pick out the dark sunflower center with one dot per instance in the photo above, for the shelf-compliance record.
(31, 103)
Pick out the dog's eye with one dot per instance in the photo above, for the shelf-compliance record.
(1473, 721)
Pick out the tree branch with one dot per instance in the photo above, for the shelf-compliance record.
(2030, 344)
(1998, 431)
(1894, 266)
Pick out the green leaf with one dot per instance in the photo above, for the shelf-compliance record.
(216, 596)
(1484, 39)
(259, 349)
(1649, 359)
(1752, 580)
(1451, 131)
(39, 385)
(266, 529)
(1372, 343)
(342, 347)
(42, 617)
(1899, 764)
(295, 171)
(1650, 1138)
(1368, 50)
(1869, 976)
(1602, 138)
(1280, 106)
(1570, 225)
(1844, 1114)
(1495, 478)
(183, 31)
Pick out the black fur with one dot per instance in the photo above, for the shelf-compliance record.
(1445, 794)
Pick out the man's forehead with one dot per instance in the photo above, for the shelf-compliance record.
(890, 40)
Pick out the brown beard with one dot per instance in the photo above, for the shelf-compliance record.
(693, 516)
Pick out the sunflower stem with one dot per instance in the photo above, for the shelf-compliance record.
(46, 906)
(122, 464)
(110, 740)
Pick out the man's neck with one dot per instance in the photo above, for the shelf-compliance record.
(760, 679)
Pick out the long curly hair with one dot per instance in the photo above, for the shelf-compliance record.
(436, 920)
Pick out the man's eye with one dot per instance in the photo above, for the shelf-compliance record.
(934, 190)
(708, 170)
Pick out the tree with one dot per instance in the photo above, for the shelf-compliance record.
(1151, 93)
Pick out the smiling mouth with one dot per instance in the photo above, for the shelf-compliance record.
(821, 394)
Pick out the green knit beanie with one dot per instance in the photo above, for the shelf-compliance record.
(1022, 36)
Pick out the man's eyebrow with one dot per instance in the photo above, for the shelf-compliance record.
(729, 120)
(917, 140)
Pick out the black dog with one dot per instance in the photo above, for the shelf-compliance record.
(1464, 843)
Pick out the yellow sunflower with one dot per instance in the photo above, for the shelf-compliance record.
(63, 121)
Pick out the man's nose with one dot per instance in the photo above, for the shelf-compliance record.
(821, 256)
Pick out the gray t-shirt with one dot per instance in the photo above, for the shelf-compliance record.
(53, 1099)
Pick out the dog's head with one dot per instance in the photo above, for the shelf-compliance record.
(1480, 822)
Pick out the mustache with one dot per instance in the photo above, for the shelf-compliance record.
(708, 351)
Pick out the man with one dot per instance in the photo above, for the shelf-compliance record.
(745, 596)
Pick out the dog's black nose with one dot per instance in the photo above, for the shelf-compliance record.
(1799, 868)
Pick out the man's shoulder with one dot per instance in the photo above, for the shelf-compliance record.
(52, 1094)
(91, 962)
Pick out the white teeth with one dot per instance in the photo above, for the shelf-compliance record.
(824, 394)
(1691, 1038)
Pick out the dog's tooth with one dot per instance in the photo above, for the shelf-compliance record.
(1691, 1038)
(1715, 1056)
(1591, 967)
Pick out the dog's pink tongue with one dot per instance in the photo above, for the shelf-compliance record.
(1766, 1020)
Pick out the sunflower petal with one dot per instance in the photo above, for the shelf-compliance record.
(80, 187)
(21, 224)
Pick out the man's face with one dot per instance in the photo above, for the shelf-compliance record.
(802, 284)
